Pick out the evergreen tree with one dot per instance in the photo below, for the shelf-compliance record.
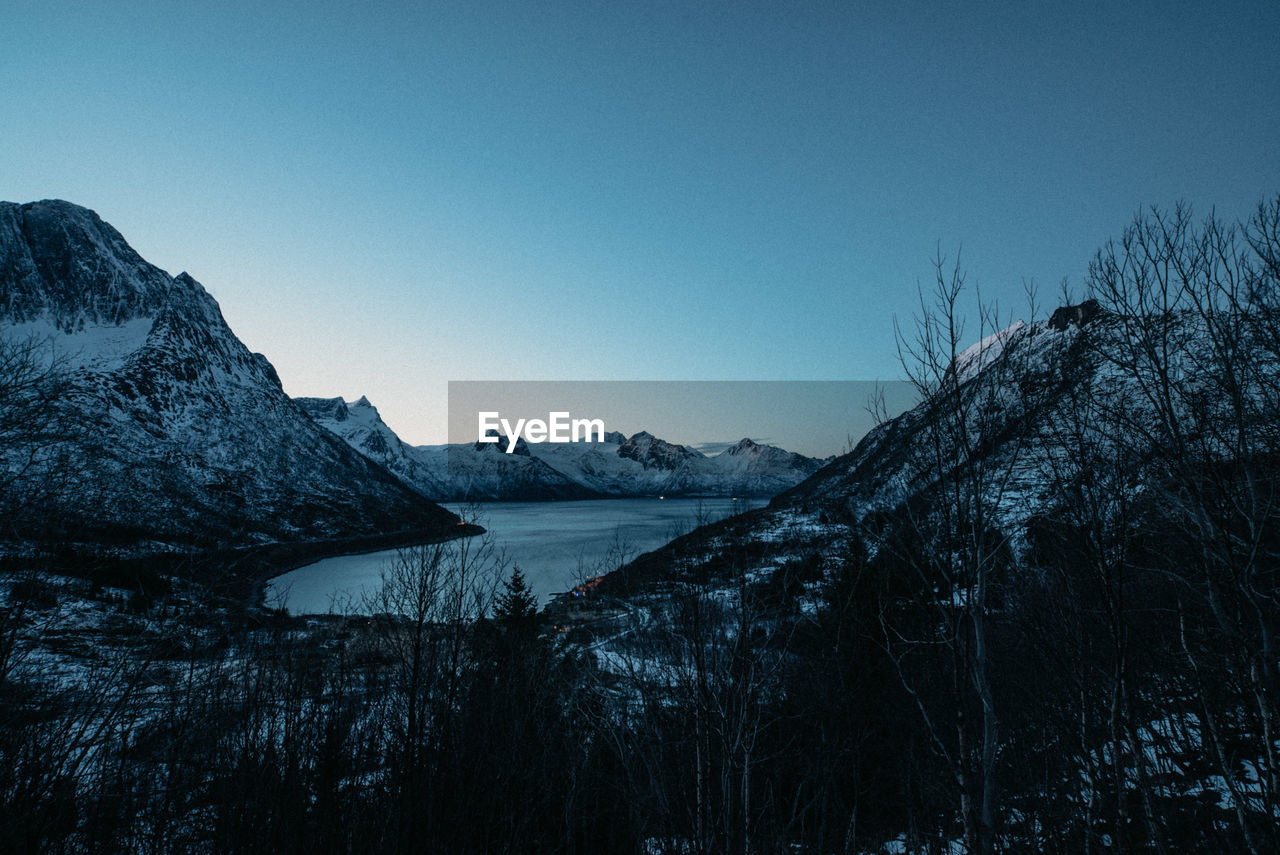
(517, 604)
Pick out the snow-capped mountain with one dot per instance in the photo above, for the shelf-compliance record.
(443, 472)
(1023, 417)
(642, 465)
(1005, 405)
(891, 473)
(361, 427)
(173, 433)
(645, 465)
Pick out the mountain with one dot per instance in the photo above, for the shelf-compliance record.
(471, 471)
(172, 434)
(898, 473)
(1014, 429)
(361, 427)
(1051, 590)
(653, 453)
(644, 465)
(639, 466)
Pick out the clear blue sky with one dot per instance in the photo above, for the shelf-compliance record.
(387, 196)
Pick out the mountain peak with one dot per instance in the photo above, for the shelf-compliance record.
(61, 210)
(651, 452)
(522, 447)
(1078, 315)
(61, 262)
(324, 408)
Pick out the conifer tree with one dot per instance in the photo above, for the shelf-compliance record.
(517, 604)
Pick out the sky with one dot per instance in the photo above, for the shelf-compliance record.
(384, 197)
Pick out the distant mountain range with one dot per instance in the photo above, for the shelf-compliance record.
(165, 431)
(618, 466)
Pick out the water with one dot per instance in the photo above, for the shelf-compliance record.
(556, 544)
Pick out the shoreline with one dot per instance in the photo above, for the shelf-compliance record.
(296, 555)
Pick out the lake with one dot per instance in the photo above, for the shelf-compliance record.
(556, 544)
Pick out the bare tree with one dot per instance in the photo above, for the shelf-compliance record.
(1196, 309)
(425, 609)
(968, 448)
(34, 429)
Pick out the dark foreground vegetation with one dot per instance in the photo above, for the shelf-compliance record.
(1061, 638)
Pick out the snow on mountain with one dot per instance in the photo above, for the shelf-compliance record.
(639, 466)
(893, 463)
(642, 465)
(647, 465)
(482, 470)
(360, 425)
(446, 472)
(970, 362)
(1035, 397)
(177, 435)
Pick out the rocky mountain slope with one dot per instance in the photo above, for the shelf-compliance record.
(1016, 423)
(166, 431)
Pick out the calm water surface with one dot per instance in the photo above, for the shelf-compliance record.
(556, 544)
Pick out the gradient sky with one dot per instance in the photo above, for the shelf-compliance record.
(387, 196)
